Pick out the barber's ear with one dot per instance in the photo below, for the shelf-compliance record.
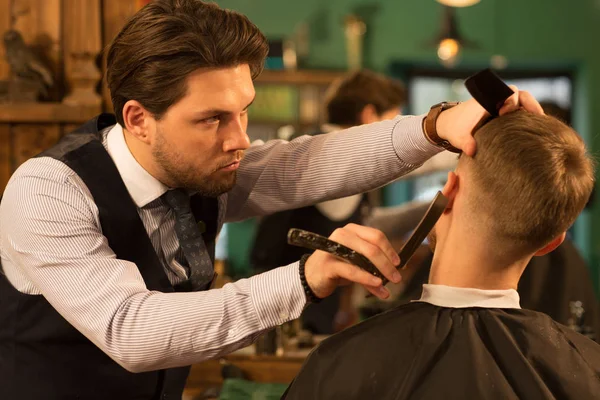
(368, 114)
(450, 189)
(138, 121)
(557, 241)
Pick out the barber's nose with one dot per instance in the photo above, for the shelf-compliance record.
(237, 138)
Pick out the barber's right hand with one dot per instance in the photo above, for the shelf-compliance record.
(325, 272)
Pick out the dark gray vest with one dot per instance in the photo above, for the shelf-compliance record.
(42, 356)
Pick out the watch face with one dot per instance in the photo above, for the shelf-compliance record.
(440, 104)
(448, 105)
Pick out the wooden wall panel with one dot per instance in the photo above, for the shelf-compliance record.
(115, 14)
(82, 41)
(5, 158)
(39, 22)
(81, 32)
(30, 140)
(4, 26)
(55, 29)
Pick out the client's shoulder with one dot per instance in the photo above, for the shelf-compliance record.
(387, 326)
(536, 330)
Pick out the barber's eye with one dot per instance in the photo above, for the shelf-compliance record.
(212, 120)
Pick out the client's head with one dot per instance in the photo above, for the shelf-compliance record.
(363, 97)
(526, 185)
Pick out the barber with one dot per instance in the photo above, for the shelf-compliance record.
(107, 239)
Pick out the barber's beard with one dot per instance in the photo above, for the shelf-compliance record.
(181, 175)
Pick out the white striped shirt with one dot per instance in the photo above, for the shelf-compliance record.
(51, 242)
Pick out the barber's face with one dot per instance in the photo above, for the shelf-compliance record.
(201, 139)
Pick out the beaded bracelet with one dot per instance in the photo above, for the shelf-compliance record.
(310, 295)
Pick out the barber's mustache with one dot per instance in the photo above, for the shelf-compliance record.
(238, 156)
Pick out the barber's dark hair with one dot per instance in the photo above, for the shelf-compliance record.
(348, 97)
(152, 56)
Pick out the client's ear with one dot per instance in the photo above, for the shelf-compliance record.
(552, 245)
(450, 189)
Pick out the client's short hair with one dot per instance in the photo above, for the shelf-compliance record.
(532, 177)
(347, 97)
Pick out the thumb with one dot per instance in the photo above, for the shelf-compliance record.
(469, 146)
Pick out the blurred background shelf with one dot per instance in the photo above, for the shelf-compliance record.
(46, 112)
(289, 99)
(300, 77)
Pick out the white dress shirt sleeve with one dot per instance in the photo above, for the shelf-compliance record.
(282, 175)
(52, 245)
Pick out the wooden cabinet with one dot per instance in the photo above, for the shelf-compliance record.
(66, 36)
(29, 129)
(262, 369)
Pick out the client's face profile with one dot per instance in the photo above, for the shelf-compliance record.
(431, 239)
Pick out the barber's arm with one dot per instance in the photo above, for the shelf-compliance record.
(282, 175)
(445, 161)
(57, 244)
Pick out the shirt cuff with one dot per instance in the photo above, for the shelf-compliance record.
(410, 143)
(278, 296)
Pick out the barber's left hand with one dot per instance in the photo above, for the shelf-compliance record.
(458, 124)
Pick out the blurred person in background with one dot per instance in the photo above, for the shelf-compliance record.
(361, 97)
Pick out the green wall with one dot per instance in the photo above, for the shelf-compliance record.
(530, 33)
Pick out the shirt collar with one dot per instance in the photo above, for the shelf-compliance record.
(455, 297)
(142, 187)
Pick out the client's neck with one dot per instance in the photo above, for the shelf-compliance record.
(470, 262)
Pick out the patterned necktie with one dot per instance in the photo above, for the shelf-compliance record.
(188, 232)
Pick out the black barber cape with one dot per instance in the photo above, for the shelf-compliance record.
(422, 351)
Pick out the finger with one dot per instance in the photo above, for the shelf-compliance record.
(470, 146)
(512, 103)
(376, 237)
(529, 103)
(370, 245)
(380, 291)
(349, 272)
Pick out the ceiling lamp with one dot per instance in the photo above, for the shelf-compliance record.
(449, 41)
(458, 3)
